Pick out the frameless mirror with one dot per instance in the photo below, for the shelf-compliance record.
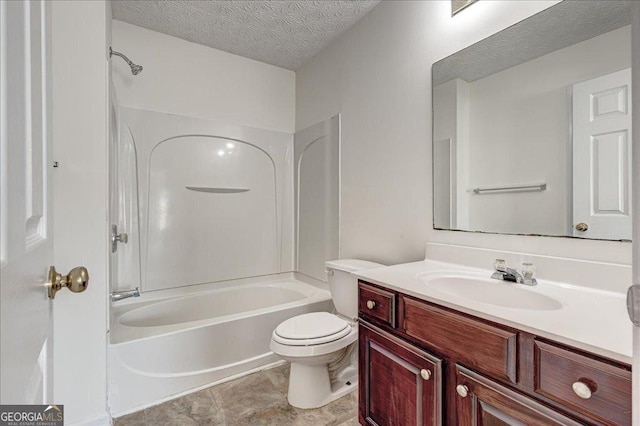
(532, 127)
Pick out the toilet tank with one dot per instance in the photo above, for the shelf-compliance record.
(344, 286)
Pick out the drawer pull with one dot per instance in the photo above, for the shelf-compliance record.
(371, 304)
(582, 389)
(426, 374)
(462, 390)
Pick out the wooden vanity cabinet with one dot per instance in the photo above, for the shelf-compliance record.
(377, 305)
(479, 372)
(400, 384)
(473, 343)
(481, 401)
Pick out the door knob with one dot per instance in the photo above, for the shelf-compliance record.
(76, 280)
(581, 227)
(371, 304)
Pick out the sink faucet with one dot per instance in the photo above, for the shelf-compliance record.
(125, 294)
(524, 276)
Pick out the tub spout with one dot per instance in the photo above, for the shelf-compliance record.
(125, 294)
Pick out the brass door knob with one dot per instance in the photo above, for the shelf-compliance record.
(76, 280)
(581, 227)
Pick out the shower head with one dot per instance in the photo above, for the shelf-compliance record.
(135, 69)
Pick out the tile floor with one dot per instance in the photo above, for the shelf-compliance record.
(257, 399)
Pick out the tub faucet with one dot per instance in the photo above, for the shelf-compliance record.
(524, 276)
(124, 294)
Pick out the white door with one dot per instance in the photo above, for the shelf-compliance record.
(26, 249)
(602, 157)
(635, 53)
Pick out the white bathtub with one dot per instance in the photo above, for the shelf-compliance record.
(170, 345)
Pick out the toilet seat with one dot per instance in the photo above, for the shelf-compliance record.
(311, 329)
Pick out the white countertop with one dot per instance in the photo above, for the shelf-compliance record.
(592, 320)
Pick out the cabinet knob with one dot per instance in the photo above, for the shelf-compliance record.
(462, 390)
(582, 389)
(371, 304)
(426, 374)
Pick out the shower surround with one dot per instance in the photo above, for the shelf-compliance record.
(212, 212)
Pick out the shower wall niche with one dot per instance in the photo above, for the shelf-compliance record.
(215, 201)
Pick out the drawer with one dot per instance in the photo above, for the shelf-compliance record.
(474, 344)
(608, 387)
(481, 401)
(377, 304)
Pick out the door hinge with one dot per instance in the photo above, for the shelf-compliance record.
(633, 304)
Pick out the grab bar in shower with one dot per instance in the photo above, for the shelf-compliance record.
(514, 188)
(216, 190)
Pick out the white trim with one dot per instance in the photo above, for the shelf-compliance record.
(103, 419)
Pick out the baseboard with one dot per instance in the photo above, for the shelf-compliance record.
(103, 419)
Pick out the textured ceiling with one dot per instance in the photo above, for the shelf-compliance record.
(557, 27)
(282, 33)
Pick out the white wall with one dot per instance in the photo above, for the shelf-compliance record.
(80, 99)
(189, 79)
(520, 119)
(378, 75)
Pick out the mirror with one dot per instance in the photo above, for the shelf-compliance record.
(532, 127)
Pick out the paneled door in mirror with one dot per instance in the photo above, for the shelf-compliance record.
(532, 127)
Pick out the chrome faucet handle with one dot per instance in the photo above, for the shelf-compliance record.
(117, 238)
(528, 272)
(500, 265)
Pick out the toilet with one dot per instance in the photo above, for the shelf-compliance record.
(322, 347)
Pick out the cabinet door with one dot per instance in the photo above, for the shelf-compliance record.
(399, 383)
(480, 402)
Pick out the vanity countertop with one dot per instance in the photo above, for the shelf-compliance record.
(592, 320)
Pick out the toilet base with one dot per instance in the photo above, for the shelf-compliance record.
(320, 373)
(311, 387)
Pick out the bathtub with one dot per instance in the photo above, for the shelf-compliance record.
(169, 343)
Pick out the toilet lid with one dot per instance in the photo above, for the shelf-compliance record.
(313, 328)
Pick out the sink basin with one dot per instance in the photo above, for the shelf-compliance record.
(490, 291)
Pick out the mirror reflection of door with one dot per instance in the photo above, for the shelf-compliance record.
(531, 127)
(602, 157)
(444, 184)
